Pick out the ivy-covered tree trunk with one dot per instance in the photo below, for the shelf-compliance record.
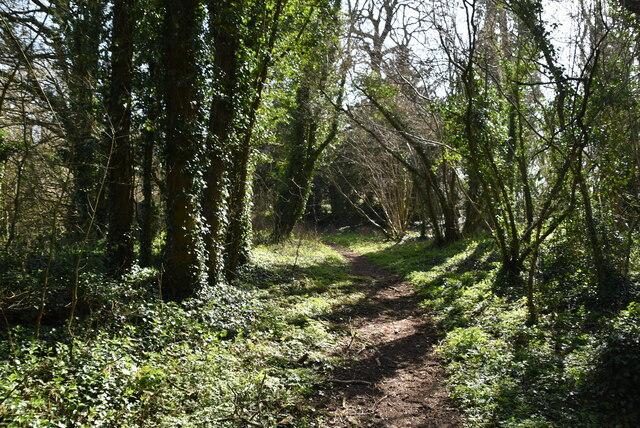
(120, 197)
(78, 59)
(294, 187)
(226, 38)
(182, 262)
(292, 197)
(264, 26)
(146, 208)
(239, 229)
(149, 90)
(472, 219)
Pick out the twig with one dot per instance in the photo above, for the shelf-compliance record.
(377, 403)
(295, 261)
(350, 382)
(353, 336)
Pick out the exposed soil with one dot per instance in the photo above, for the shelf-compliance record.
(391, 377)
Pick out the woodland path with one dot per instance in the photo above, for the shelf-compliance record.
(391, 377)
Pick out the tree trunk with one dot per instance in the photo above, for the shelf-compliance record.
(239, 230)
(147, 211)
(292, 199)
(293, 189)
(427, 203)
(224, 24)
(182, 266)
(79, 121)
(472, 220)
(120, 197)
(451, 230)
(597, 253)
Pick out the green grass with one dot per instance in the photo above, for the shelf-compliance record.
(254, 354)
(404, 257)
(362, 244)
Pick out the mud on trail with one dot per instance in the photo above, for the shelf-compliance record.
(391, 377)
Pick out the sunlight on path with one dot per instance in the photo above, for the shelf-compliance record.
(391, 377)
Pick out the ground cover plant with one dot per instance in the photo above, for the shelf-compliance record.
(251, 354)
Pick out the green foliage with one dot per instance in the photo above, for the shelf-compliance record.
(233, 356)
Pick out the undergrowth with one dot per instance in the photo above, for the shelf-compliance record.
(248, 354)
(577, 367)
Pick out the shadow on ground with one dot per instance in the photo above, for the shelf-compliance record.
(390, 376)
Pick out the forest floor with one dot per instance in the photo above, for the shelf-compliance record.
(390, 376)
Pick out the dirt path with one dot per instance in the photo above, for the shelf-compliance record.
(391, 377)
